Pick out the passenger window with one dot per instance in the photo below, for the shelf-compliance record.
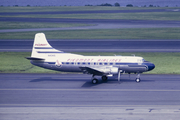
(117, 63)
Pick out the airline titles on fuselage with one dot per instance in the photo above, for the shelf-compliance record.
(40, 44)
(92, 60)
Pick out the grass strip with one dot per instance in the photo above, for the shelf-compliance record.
(73, 8)
(131, 33)
(120, 16)
(14, 62)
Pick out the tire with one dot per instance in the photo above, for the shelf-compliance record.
(94, 81)
(138, 80)
(104, 78)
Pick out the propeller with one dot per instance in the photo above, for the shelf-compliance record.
(119, 76)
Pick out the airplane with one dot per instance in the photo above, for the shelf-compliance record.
(45, 56)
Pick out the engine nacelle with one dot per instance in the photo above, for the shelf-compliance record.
(114, 70)
(110, 70)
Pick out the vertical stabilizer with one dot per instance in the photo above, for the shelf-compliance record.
(42, 47)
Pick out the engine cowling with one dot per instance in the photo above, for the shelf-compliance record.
(114, 70)
(110, 70)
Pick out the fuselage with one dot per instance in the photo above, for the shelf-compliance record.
(72, 62)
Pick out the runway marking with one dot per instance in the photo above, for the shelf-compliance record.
(97, 90)
(68, 105)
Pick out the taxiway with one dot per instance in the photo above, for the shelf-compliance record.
(96, 45)
(77, 89)
(73, 96)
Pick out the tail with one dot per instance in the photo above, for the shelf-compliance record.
(41, 48)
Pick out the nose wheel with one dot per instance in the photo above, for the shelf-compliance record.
(138, 80)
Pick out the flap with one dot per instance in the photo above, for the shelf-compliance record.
(94, 71)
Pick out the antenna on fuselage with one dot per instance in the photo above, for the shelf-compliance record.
(117, 55)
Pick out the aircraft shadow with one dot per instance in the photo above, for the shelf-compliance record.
(113, 81)
(53, 79)
(88, 82)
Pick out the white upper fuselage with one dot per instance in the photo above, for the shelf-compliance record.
(73, 58)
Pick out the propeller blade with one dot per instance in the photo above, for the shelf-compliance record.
(119, 76)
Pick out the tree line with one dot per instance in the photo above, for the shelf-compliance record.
(118, 5)
(105, 4)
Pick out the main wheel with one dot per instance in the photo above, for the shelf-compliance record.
(138, 80)
(94, 81)
(104, 78)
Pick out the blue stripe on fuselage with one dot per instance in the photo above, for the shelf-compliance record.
(50, 62)
(48, 52)
(43, 48)
(88, 63)
(147, 64)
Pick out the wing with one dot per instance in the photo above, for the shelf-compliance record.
(94, 71)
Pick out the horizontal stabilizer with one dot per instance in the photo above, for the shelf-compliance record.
(33, 58)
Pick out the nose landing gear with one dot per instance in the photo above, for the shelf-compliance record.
(138, 78)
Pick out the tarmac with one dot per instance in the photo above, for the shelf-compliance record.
(73, 96)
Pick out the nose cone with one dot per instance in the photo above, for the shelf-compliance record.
(151, 66)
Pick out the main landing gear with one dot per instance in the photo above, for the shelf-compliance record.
(95, 80)
(104, 78)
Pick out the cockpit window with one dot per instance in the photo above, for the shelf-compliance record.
(140, 60)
